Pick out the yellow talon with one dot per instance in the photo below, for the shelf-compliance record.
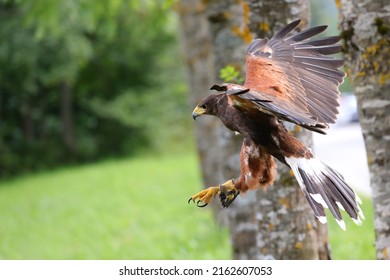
(205, 196)
(227, 193)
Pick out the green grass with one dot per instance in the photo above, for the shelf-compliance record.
(128, 209)
(357, 242)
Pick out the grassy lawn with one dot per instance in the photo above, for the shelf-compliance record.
(357, 242)
(128, 209)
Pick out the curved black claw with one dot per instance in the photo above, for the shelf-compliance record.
(198, 202)
(201, 206)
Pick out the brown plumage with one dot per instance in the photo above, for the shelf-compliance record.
(288, 78)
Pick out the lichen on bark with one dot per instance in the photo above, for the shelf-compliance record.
(366, 39)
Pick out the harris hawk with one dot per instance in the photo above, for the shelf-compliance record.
(293, 78)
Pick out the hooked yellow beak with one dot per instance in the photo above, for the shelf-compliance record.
(198, 111)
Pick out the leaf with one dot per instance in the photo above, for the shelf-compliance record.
(230, 74)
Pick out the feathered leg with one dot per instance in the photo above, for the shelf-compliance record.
(258, 169)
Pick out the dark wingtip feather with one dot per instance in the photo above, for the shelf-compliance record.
(325, 41)
(287, 29)
(306, 34)
(325, 50)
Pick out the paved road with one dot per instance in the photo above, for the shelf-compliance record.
(343, 149)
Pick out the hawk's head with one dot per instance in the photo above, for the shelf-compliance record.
(208, 106)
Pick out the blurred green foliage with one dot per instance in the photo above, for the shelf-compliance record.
(83, 80)
(229, 74)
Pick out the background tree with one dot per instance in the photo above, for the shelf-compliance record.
(83, 80)
(366, 44)
(273, 224)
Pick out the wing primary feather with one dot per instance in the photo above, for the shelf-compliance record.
(322, 71)
(321, 61)
(306, 34)
(320, 83)
(320, 42)
(325, 50)
(322, 116)
(287, 29)
(303, 73)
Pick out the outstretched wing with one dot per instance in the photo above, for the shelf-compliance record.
(297, 75)
(273, 104)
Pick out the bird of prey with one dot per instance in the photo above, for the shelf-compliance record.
(293, 78)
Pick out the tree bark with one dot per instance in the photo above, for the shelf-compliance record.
(273, 224)
(280, 223)
(366, 44)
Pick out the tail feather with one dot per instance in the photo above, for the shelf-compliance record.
(324, 187)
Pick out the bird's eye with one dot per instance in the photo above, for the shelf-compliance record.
(203, 106)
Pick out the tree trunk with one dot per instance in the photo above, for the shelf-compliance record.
(366, 44)
(278, 223)
(281, 224)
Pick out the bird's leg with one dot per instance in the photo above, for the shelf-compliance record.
(227, 193)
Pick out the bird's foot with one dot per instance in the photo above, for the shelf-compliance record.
(204, 197)
(227, 194)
